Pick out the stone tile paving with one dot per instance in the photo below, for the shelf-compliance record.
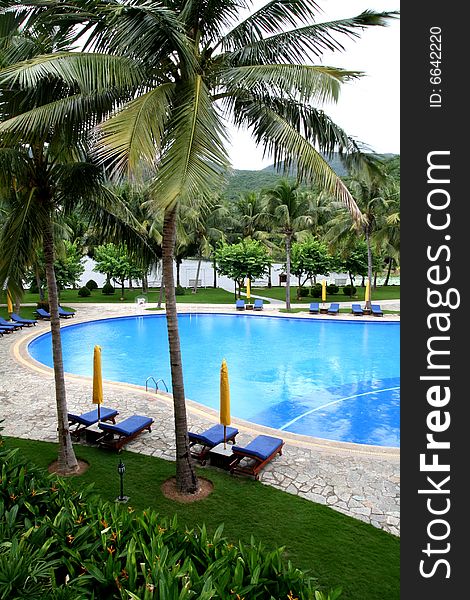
(362, 484)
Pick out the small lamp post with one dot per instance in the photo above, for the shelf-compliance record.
(121, 470)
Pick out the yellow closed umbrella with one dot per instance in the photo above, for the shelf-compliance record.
(367, 293)
(9, 303)
(248, 289)
(224, 399)
(323, 290)
(97, 379)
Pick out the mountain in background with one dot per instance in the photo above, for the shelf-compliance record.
(240, 181)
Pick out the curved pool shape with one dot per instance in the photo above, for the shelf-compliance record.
(337, 380)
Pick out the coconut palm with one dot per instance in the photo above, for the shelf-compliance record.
(376, 192)
(291, 213)
(194, 60)
(44, 174)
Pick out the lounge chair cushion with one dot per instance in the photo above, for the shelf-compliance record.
(91, 417)
(258, 303)
(129, 426)
(376, 310)
(213, 436)
(19, 319)
(43, 313)
(261, 447)
(65, 313)
(334, 308)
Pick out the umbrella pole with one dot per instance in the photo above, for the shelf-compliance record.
(225, 437)
(99, 413)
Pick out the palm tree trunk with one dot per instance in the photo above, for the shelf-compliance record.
(214, 264)
(186, 480)
(178, 265)
(39, 283)
(288, 248)
(389, 270)
(145, 283)
(369, 268)
(197, 274)
(160, 295)
(66, 461)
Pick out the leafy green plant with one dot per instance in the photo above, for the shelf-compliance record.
(84, 292)
(91, 284)
(107, 289)
(62, 542)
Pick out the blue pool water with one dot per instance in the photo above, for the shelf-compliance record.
(330, 379)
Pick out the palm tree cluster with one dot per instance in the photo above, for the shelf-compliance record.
(92, 90)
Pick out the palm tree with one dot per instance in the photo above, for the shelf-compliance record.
(192, 61)
(376, 191)
(44, 174)
(290, 211)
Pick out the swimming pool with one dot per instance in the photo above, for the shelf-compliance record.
(331, 379)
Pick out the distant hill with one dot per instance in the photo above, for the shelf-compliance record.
(241, 181)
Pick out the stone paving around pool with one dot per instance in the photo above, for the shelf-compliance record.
(356, 480)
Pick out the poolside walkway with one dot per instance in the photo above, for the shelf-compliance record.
(356, 480)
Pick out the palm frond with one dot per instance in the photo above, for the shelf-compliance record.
(291, 150)
(135, 133)
(89, 72)
(271, 18)
(71, 115)
(311, 123)
(292, 46)
(195, 160)
(306, 82)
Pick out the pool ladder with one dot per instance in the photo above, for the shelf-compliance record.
(155, 382)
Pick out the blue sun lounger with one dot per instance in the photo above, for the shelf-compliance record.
(376, 310)
(116, 436)
(90, 418)
(257, 454)
(65, 313)
(209, 439)
(258, 305)
(22, 321)
(42, 314)
(314, 308)
(356, 309)
(7, 328)
(334, 308)
(5, 323)
(240, 305)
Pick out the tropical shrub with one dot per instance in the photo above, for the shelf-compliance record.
(179, 290)
(332, 288)
(91, 284)
(107, 289)
(63, 542)
(315, 290)
(349, 290)
(84, 292)
(44, 304)
(302, 292)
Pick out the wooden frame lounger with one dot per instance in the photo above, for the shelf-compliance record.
(90, 418)
(209, 439)
(116, 436)
(257, 454)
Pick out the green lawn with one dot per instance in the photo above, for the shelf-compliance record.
(390, 292)
(339, 550)
(203, 296)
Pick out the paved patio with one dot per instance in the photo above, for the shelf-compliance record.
(359, 481)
